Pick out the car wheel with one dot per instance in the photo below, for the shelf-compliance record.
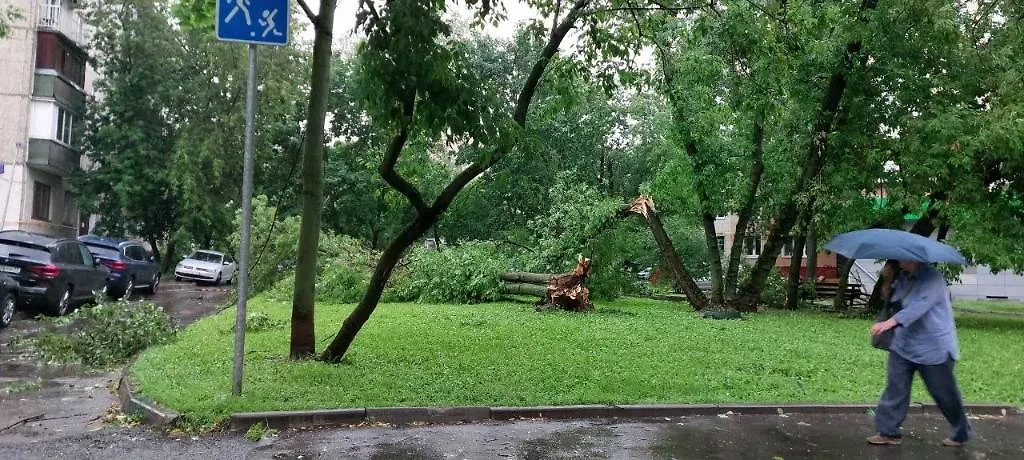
(177, 278)
(216, 282)
(129, 289)
(7, 307)
(154, 285)
(64, 304)
(103, 293)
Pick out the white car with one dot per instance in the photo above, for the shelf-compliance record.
(209, 266)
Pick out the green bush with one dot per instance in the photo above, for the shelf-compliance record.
(104, 335)
(466, 273)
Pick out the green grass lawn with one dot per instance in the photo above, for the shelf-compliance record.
(630, 351)
(996, 306)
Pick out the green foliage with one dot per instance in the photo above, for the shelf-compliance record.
(259, 431)
(8, 14)
(455, 355)
(104, 335)
(466, 273)
(164, 140)
(274, 241)
(258, 321)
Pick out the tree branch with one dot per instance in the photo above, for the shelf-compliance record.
(445, 198)
(309, 13)
(684, 9)
(387, 166)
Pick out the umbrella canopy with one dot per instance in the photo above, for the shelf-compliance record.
(881, 243)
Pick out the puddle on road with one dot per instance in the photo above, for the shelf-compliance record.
(574, 443)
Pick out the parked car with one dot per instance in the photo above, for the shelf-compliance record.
(8, 299)
(131, 266)
(55, 274)
(210, 266)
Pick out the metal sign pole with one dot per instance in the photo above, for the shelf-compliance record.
(243, 257)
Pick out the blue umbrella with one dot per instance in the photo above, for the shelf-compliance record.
(881, 243)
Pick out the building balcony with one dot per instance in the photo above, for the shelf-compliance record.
(61, 18)
(53, 157)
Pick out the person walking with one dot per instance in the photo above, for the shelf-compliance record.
(925, 342)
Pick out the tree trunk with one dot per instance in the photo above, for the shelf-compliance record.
(645, 207)
(426, 216)
(524, 289)
(746, 211)
(155, 248)
(845, 265)
(172, 248)
(526, 277)
(750, 292)
(710, 235)
(793, 283)
(303, 336)
(568, 292)
(385, 265)
(812, 254)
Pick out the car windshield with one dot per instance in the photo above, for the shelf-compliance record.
(206, 257)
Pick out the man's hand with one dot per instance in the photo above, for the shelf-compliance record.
(883, 326)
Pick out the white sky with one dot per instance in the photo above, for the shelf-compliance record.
(345, 18)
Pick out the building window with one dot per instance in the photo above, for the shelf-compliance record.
(41, 201)
(70, 209)
(64, 122)
(787, 247)
(721, 243)
(752, 246)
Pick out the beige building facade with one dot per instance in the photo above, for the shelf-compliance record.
(43, 90)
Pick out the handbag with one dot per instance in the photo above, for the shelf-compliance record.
(884, 340)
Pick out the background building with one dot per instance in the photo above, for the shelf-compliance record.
(44, 84)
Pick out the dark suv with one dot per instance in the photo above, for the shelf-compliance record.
(56, 274)
(131, 265)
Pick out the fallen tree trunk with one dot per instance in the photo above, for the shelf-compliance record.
(529, 278)
(567, 292)
(644, 206)
(524, 289)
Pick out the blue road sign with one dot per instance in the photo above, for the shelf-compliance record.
(260, 22)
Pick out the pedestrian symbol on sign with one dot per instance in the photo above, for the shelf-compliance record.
(269, 23)
(235, 21)
(240, 5)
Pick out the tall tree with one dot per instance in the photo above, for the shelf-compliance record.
(303, 337)
(426, 84)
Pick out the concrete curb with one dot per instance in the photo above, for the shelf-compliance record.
(447, 415)
(152, 413)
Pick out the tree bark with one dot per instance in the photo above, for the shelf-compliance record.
(793, 283)
(528, 278)
(710, 235)
(746, 211)
(156, 250)
(750, 292)
(845, 265)
(538, 290)
(812, 253)
(645, 207)
(172, 248)
(426, 216)
(303, 337)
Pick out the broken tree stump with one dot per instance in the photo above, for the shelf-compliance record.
(568, 292)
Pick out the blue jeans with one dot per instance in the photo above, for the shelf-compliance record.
(941, 384)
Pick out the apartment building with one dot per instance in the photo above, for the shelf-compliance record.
(43, 89)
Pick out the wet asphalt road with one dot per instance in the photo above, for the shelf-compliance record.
(732, 437)
(69, 400)
(71, 403)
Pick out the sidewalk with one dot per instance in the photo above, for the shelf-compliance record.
(768, 437)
